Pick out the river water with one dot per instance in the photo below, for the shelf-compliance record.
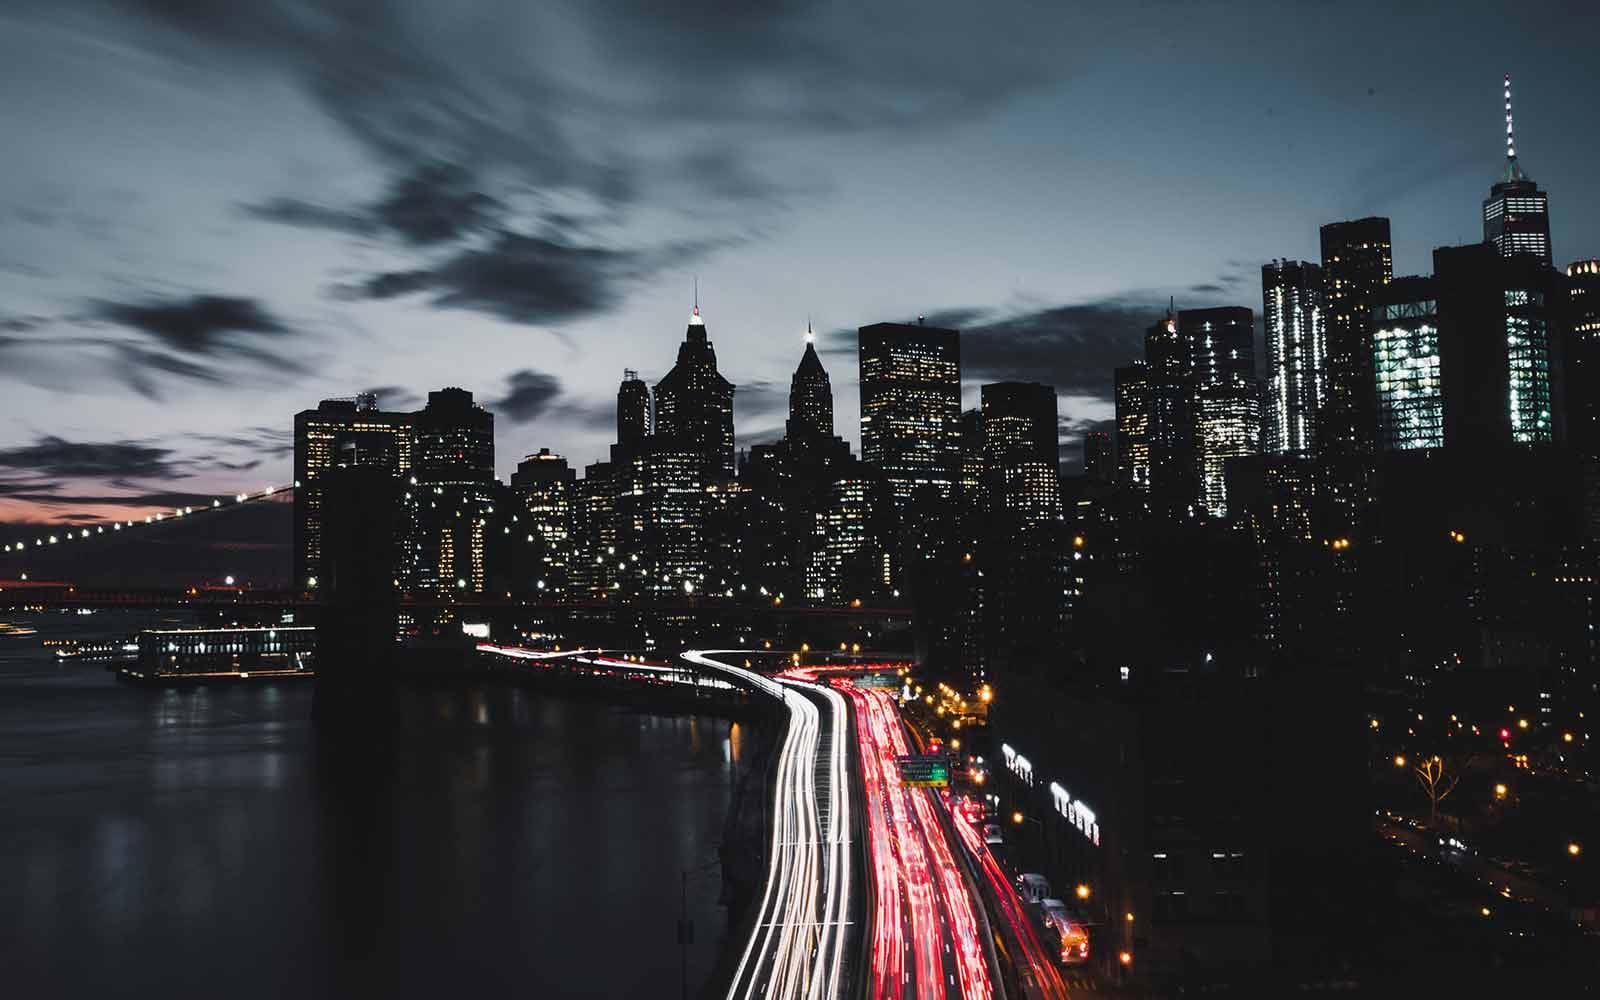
(202, 842)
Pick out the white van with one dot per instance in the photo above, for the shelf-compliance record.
(1032, 887)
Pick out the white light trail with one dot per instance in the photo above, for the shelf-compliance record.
(796, 946)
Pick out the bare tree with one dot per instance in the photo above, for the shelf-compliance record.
(1438, 779)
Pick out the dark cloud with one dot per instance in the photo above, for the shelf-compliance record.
(394, 397)
(139, 367)
(528, 279)
(845, 341)
(592, 99)
(20, 324)
(269, 441)
(53, 457)
(52, 495)
(434, 203)
(1073, 347)
(529, 395)
(200, 324)
(310, 215)
(761, 396)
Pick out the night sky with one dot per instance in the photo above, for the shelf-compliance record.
(213, 215)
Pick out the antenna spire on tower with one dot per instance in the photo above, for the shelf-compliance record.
(1511, 145)
(809, 335)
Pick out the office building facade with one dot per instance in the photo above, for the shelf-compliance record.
(911, 407)
(1131, 399)
(340, 432)
(1297, 354)
(1405, 359)
(1583, 357)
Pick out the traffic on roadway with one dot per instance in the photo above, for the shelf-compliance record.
(801, 935)
(946, 921)
(927, 941)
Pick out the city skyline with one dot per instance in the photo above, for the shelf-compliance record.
(135, 299)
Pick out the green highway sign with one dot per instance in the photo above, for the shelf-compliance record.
(924, 770)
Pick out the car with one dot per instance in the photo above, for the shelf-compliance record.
(992, 834)
(1064, 926)
(1050, 908)
(1032, 887)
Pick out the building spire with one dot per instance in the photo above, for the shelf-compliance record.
(1511, 145)
(809, 335)
(1513, 168)
(694, 317)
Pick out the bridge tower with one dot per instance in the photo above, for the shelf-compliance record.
(357, 592)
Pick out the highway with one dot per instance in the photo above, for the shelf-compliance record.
(926, 938)
(1035, 966)
(803, 935)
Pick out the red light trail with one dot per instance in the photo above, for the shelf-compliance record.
(923, 905)
(1036, 959)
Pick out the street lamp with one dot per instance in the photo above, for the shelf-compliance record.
(1016, 818)
(1082, 891)
(1399, 760)
(1500, 791)
(1574, 849)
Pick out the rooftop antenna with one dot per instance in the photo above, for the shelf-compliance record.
(694, 317)
(809, 335)
(1511, 145)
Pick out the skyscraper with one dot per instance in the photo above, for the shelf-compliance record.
(1020, 452)
(545, 484)
(1020, 549)
(633, 410)
(1498, 318)
(1099, 464)
(1227, 426)
(1297, 352)
(1405, 345)
(810, 395)
(694, 404)
(1226, 403)
(1170, 381)
(455, 492)
(455, 439)
(339, 432)
(1357, 261)
(1583, 357)
(911, 407)
(1132, 401)
(1516, 215)
(788, 484)
(1219, 344)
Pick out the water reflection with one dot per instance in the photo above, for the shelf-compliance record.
(205, 842)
